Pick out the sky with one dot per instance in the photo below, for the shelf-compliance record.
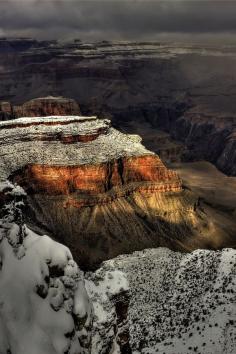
(93, 20)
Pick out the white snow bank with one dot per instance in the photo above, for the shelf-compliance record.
(46, 119)
(102, 287)
(41, 290)
(178, 303)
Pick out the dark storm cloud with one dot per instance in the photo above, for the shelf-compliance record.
(115, 19)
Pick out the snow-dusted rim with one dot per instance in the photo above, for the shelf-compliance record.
(46, 119)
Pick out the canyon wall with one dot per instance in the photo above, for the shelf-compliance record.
(165, 86)
(40, 107)
(100, 191)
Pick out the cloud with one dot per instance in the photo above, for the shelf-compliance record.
(111, 19)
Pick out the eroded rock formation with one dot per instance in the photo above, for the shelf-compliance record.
(40, 107)
(208, 135)
(167, 86)
(100, 191)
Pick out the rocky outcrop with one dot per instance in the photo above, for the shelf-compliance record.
(109, 294)
(6, 111)
(40, 107)
(92, 180)
(227, 159)
(178, 303)
(99, 191)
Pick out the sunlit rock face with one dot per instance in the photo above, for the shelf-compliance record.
(99, 191)
(92, 180)
(40, 107)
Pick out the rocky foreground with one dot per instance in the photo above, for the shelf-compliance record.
(44, 308)
(100, 191)
(152, 301)
(40, 107)
(166, 302)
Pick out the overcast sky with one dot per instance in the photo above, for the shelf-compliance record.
(119, 19)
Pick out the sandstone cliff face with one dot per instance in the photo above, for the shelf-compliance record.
(92, 180)
(40, 107)
(100, 191)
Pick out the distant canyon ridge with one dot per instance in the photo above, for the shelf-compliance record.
(179, 98)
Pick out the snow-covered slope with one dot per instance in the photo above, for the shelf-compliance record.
(152, 301)
(179, 303)
(44, 307)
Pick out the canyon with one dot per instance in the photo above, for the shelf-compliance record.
(171, 87)
(117, 204)
(100, 191)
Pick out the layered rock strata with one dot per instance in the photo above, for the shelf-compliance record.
(147, 82)
(40, 107)
(100, 191)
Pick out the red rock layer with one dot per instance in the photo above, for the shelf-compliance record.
(46, 107)
(92, 180)
(40, 107)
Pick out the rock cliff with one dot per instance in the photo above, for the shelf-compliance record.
(208, 135)
(101, 192)
(147, 83)
(40, 107)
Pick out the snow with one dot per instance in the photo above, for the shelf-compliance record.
(21, 146)
(46, 119)
(176, 303)
(179, 303)
(42, 297)
(12, 189)
(102, 287)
